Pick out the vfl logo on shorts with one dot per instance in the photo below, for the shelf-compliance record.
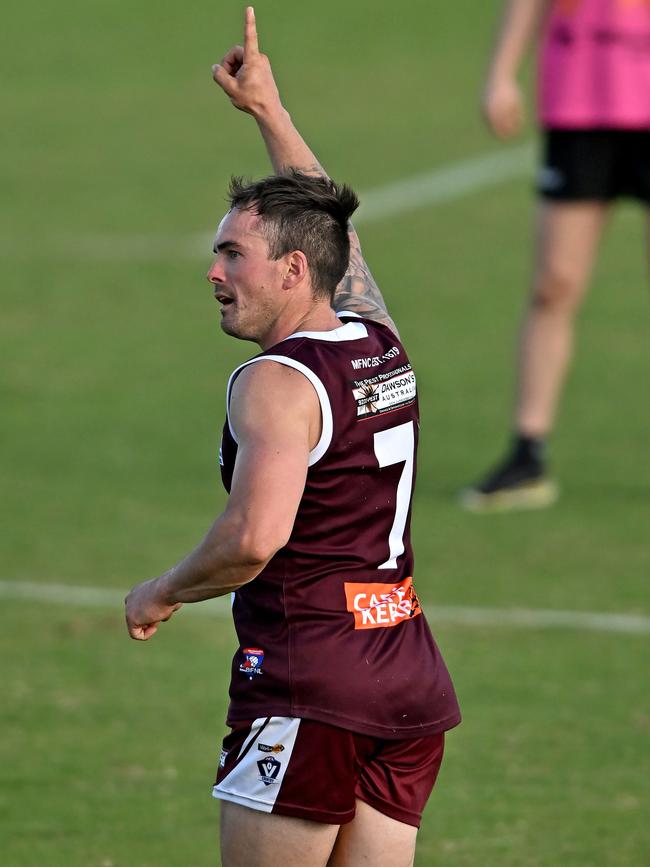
(269, 769)
(377, 606)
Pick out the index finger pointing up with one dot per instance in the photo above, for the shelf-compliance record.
(250, 33)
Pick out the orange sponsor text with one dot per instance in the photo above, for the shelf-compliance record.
(381, 605)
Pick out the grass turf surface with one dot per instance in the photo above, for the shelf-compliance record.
(112, 369)
(109, 747)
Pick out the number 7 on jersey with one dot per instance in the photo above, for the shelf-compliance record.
(392, 446)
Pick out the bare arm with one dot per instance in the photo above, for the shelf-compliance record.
(503, 105)
(357, 292)
(268, 482)
(246, 77)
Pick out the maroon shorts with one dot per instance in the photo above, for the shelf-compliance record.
(311, 770)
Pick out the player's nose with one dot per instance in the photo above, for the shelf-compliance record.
(215, 275)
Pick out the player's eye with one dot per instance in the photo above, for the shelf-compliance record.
(233, 254)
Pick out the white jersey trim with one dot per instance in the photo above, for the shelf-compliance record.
(323, 398)
(347, 331)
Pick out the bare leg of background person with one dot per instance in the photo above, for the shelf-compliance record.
(250, 838)
(373, 840)
(568, 235)
(566, 243)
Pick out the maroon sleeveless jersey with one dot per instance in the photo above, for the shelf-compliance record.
(332, 629)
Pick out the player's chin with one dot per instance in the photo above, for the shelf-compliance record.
(229, 325)
(235, 329)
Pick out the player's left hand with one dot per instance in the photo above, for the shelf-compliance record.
(146, 609)
(245, 74)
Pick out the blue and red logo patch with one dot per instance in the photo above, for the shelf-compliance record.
(253, 659)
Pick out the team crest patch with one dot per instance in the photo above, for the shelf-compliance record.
(384, 392)
(377, 606)
(269, 769)
(253, 659)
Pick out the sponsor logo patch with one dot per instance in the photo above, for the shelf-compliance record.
(267, 748)
(252, 663)
(384, 392)
(269, 769)
(377, 606)
(222, 758)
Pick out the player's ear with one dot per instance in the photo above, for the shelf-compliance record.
(296, 269)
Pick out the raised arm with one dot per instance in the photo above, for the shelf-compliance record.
(246, 77)
(502, 103)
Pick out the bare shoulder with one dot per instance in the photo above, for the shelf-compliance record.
(269, 395)
(267, 377)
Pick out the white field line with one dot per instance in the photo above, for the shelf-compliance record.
(443, 184)
(93, 597)
(523, 618)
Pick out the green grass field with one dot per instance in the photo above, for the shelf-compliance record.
(116, 153)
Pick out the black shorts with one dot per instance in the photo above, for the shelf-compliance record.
(595, 164)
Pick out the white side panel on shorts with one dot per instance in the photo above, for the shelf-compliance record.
(256, 778)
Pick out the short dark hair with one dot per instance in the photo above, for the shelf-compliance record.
(302, 212)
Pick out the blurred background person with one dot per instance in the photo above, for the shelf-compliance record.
(594, 112)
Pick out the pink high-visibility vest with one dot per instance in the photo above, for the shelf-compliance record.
(594, 65)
